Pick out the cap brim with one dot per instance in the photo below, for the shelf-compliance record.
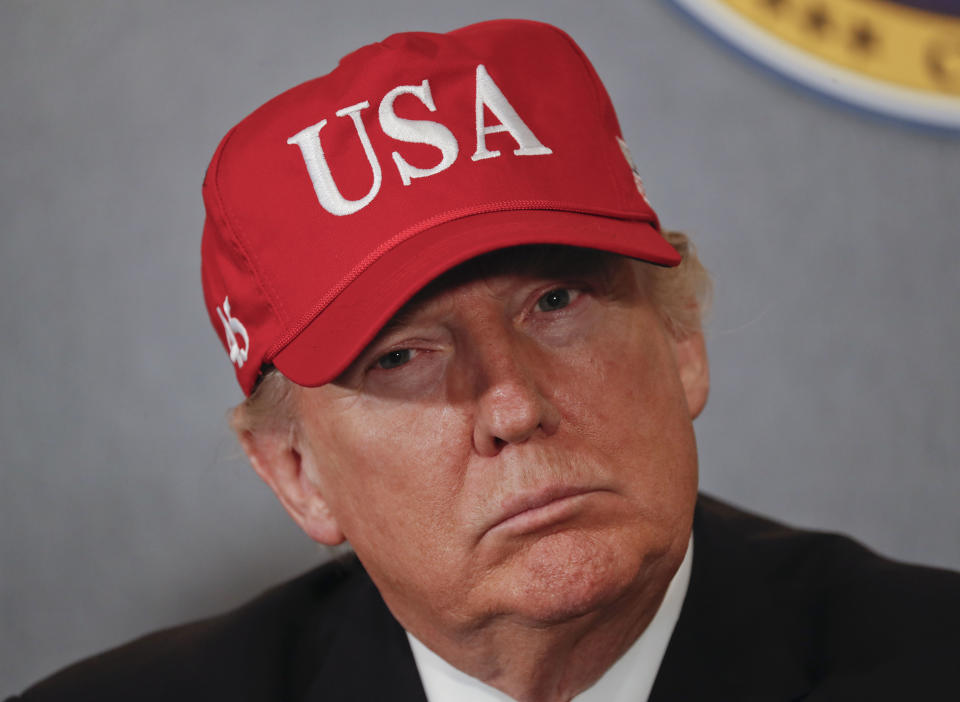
(337, 335)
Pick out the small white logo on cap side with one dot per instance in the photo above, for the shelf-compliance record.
(633, 167)
(231, 328)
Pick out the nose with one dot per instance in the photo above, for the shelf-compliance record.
(512, 406)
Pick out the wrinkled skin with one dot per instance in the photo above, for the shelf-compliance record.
(513, 455)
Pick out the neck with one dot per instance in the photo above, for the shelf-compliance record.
(555, 662)
(551, 665)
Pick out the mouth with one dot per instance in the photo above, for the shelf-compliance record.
(535, 510)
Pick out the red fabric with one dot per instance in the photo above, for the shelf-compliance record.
(312, 288)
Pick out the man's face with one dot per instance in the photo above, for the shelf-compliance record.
(516, 444)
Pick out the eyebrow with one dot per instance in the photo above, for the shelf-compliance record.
(399, 319)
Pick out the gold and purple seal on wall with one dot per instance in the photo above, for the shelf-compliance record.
(900, 58)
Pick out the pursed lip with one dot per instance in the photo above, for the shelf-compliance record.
(516, 506)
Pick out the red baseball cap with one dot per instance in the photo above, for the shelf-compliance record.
(331, 205)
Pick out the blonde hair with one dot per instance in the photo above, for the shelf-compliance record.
(681, 294)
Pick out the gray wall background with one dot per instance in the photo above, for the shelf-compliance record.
(125, 504)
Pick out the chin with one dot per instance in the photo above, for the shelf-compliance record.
(571, 574)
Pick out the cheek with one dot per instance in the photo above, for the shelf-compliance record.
(385, 464)
(607, 386)
(634, 410)
(394, 492)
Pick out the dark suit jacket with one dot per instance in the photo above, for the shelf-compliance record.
(772, 613)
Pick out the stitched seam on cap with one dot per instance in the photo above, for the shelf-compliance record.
(594, 80)
(236, 240)
(413, 230)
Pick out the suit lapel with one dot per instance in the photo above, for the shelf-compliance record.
(734, 639)
(369, 656)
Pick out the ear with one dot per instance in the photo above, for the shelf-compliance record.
(691, 354)
(277, 460)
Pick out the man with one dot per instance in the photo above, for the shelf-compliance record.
(470, 351)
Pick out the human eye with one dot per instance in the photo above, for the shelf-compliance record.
(394, 359)
(555, 299)
(404, 371)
